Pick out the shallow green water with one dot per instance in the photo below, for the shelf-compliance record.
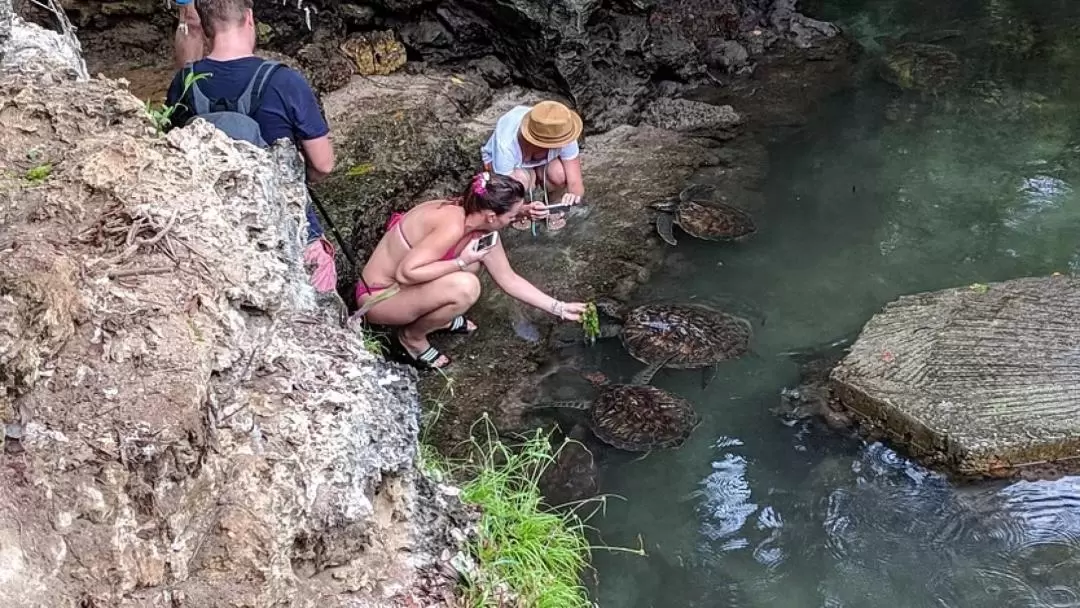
(882, 195)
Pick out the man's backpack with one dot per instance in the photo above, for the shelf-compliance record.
(234, 116)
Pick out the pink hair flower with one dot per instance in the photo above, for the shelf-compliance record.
(480, 184)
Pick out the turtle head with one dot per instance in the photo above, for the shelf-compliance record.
(610, 307)
(596, 378)
(666, 205)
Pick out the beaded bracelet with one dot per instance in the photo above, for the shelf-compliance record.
(557, 308)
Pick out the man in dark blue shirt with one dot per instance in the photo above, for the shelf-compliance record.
(289, 107)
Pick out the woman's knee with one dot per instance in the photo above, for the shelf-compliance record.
(556, 174)
(463, 288)
(523, 176)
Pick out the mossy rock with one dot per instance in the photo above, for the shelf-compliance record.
(386, 161)
(264, 33)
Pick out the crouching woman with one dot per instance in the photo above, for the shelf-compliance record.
(431, 255)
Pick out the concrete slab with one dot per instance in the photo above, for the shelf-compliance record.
(982, 380)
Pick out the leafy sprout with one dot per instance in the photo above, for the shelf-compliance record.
(161, 115)
(590, 323)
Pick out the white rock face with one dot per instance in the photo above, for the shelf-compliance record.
(185, 427)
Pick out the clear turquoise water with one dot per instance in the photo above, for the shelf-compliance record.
(881, 195)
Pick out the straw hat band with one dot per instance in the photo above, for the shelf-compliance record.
(551, 124)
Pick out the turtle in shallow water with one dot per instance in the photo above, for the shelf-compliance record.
(686, 336)
(636, 417)
(710, 221)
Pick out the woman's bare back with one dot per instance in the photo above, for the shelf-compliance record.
(408, 231)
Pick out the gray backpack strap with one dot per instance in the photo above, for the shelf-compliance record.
(251, 99)
(200, 103)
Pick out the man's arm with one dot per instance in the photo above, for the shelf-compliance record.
(189, 44)
(309, 126)
(574, 184)
(319, 153)
(570, 156)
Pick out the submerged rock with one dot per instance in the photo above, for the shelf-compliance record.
(983, 380)
(194, 431)
(920, 66)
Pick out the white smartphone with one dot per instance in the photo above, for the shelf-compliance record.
(487, 241)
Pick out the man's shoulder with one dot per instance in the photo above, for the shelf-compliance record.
(513, 117)
(287, 77)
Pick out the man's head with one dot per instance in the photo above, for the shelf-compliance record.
(227, 18)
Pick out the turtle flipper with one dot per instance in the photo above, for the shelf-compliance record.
(698, 192)
(708, 374)
(665, 227)
(646, 375)
(573, 405)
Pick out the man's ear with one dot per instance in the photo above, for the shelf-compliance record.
(249, 17)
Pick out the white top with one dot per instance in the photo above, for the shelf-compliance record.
(503, 150)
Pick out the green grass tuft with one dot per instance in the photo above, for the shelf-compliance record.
(39, 173)
(522, 546)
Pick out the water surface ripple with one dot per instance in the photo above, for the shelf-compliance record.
(882, 194)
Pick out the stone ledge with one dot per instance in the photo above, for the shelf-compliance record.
(983, 381)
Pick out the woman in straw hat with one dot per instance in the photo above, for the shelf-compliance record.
(538, 147)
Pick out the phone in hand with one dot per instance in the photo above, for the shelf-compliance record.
(557, 207)
(487, 241)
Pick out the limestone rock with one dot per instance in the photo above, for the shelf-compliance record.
(982, 380)
(694, 117)
(194, 431)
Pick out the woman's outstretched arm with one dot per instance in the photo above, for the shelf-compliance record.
(517, 287)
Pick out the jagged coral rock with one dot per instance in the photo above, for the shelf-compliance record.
(195, 432)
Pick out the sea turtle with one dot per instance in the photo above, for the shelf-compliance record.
(710, 221)
(636, 417)
(687, 336)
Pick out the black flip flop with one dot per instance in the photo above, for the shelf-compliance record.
(423, 361)
(460, 325)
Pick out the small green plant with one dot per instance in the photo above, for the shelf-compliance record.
(590, 323)
(161, 115)
(39, 173)
(522, 547)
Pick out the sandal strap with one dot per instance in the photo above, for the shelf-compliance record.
(429, 356)
(458, 323)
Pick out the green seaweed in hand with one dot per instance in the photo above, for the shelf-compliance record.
(590, 323)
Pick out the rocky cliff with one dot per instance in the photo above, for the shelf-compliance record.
(608, 57)
(181, 424)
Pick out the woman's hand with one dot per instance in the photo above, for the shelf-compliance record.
(570, 199)
(536, 210)
(471, 255)
(571, 311)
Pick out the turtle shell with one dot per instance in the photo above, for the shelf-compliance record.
(714, 221)
(692, 335)
(639, 418)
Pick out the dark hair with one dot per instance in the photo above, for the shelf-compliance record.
(219, 14)
(492, 192)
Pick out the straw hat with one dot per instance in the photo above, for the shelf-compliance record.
(550, 124)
